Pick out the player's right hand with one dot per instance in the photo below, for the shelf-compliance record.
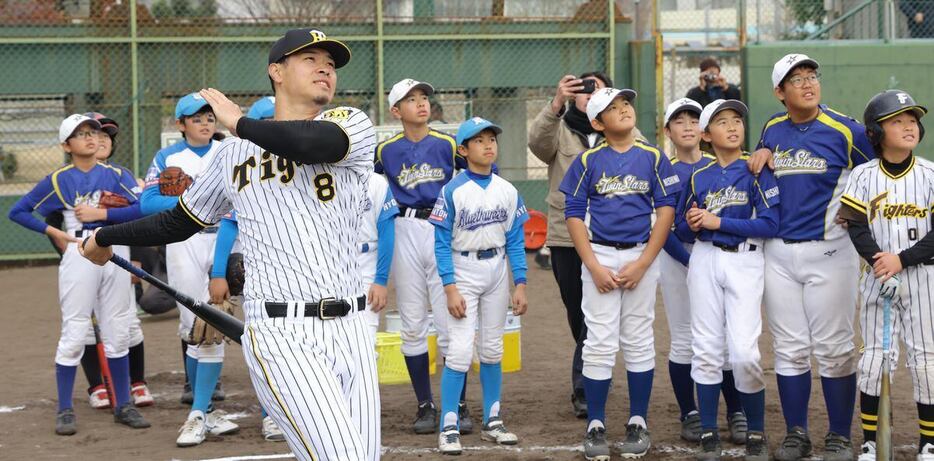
(565, 91)
(759, 159)
(378, 297)
(94, 253)
(227, 112)
(605, 279)
(218, 290)
(457, 306)
(694, 217)
(60, 238)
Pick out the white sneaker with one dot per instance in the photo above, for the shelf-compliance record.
(218, 424)
(271, 431)
(927, 453)
(495, 431)
(192, 432)
(867, 452)
(449, 441)
(141, 395)
(98, 398)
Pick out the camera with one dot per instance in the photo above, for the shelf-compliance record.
(590, 85)
(709, 77)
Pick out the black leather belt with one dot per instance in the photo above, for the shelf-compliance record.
(481, 254)
(794, 241)
(419, 213)
(209, 230)
(617, 245)
(326, 309)
(732, 248)
(81, 233)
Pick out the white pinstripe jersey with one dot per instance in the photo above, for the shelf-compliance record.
(299, 224)
(898, 207)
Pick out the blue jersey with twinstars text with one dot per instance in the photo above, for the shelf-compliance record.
(746, 205)
(417, 170)
(686, 170)
(619, 190)
(813, 161)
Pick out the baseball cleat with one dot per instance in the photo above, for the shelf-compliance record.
(579, 404)
(188, 397)
(271, 431)
(128, 415)
(449, 441)
(192, 432)
(65, 422)
(867, 452)
(218, 393)
(218, 424)
(98, 397)
(637, 442)
(795, 445)
(464, 422)
(495, 431)
(691, 427)
(757, 449)
(738, 427)
(709, 449)
(837, 448)
(426, 420)
(141, 395)
(927, 453)
(595, 446)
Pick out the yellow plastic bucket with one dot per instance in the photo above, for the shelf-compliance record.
(392, 347)
(512, 345)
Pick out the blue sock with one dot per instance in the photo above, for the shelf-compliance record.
(708, 399)
(754, 406)
(840, 397)
(683, 385)
(640, 390)
(120, 374)
(65, 382)
(191, 370)
(451, 384)
(730, 394)
(418, 373)
(491, 380)
(794, 393)
(596, 392)
(207, 376)
(262, 411)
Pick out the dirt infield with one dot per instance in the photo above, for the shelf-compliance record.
(535, 400)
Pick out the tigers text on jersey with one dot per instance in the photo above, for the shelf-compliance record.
(417, 170)
(734, 194)
(898, 208)
(299, 224)
(619, 191)
(812, 163)
(378, 204)
(684, 172)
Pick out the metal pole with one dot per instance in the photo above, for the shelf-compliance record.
(611, 48)
(134, 83)
(741, 23)
(380, 101)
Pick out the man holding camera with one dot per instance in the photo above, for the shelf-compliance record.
(713, 86)
(558, 134)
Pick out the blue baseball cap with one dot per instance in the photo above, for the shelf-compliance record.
(190, 104)
(474, 126)
(263, 108)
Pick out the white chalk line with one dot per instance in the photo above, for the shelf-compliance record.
(5, 409)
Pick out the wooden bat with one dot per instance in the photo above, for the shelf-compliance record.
(884, 449)
(105, 367)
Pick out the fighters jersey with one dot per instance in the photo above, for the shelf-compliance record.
(192, 160)
(812, 163)
(735, 195)
(685, 171)
(69, 187)
(618, 191)
(417, 170)
(298, 224)
(898, 208)
(378, 205)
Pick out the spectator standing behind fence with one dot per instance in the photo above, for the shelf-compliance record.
(558, 134)
(713, 85)
(920, 16)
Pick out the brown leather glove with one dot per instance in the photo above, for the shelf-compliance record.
(112, 200)
(203, 333)
(173, 181)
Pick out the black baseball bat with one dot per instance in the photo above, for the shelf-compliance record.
(229, 325)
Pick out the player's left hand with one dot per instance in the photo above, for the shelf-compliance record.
(378, 297)
(708, 220)
(96, 254)
(218, 290)
(759, 159)
(519, 301)
(886, 265)
(632, 273)
(87, 213)
(227, 112)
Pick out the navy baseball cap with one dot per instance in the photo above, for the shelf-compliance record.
(263, 108)
(473, 127)
(298, 39)
(190, 104)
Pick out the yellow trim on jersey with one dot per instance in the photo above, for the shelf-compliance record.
(448, 138)
(192, 215)
(845, 131)
(275, 393)
(868, 417)
(349, 141)
(853, 203)
(898, 176)
(119, 176)
(379, 148)
(761, 194)
(55, 187)
(708, 155)
(776, 120)
(658, 158)
(53, 193)
(584, 156)
(694, 191)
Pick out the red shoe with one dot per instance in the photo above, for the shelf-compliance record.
(98, 398)
(141, 395)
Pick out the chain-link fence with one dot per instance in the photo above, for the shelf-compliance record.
(773, 20)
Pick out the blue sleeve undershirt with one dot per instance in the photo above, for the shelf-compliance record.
(515, 250)
(765, 225)
(675, 248)
(226, 236)
(386, 231)
(443, 255)
(152, 202)
(21, 213)
(125, 214)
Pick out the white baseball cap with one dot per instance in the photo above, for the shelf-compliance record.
(402, 88)
(603, 97)
(718, 106)
(72, 122)
(682, 105)
(788, 62)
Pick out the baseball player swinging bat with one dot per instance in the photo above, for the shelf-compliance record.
(884, 449)
(230, 326)
(102, 358)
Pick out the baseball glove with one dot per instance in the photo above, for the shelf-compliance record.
(173, 181)
(203, 333)
(112, 200)
(236, 275)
